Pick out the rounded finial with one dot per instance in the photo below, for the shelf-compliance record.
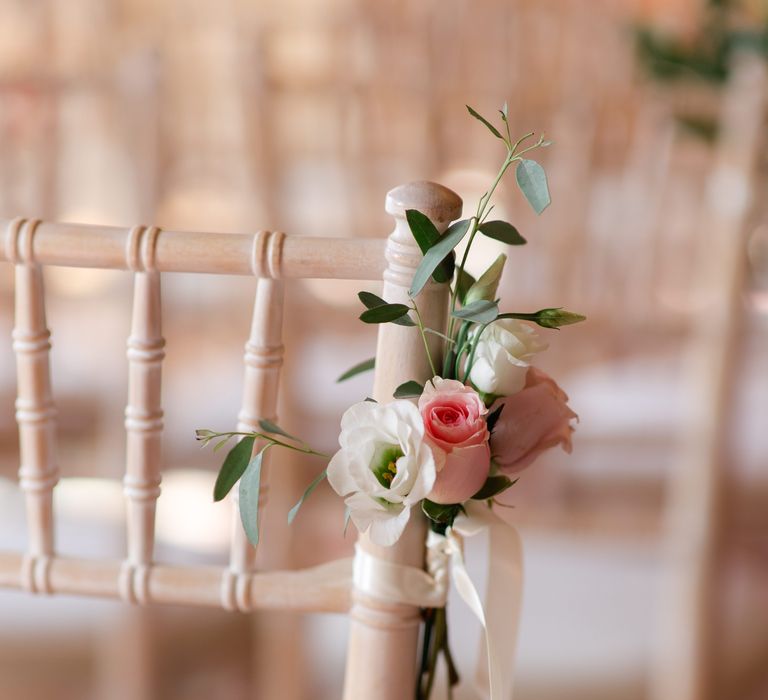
(437, 202)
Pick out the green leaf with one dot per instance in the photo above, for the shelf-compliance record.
(235, 463)
(488, 283)
(221, 443)
(490, 126)
(250, 485)
(434, 256)
(502, 231)
(532, 181)
(548, 318)
(364, 366)
(408, 390)
(493, 486)
(307, 493)
(441, 513)
(371, 301)
(480, 311)
(493, 416)
(426, 236)
(464, 282)
(385, 313)
(269, 427)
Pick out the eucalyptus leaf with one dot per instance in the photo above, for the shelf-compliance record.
(480, 311)
(359, 368)
(464, 282)
(371, 301)
(235, 463)
(532, 181)
(488, 124)
(307, 493)
(493, 486)
(269, 427)
(221, 443)
(384, 313)
(250, 485)
(502, 231)
(408, 390)
(426, 235)
(488, 283)
(434, 256)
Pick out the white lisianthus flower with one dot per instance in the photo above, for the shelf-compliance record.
(503, 356)
(384, 466)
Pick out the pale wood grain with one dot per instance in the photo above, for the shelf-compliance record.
(323, 588)
(144, 414)
(35, 414)
(263, 360)
(383, 640)
(81, 245)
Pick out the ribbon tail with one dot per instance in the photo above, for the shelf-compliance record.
(503, 600)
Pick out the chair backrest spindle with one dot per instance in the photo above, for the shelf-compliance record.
(263, 360)
(35, 413)
(143, 415)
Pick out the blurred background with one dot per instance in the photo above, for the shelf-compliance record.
(646, 549)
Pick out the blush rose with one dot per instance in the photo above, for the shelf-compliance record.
(456, 429)
(534, 419)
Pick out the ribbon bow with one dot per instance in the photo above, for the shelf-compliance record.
(500, 615)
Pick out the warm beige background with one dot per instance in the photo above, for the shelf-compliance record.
(299, 115)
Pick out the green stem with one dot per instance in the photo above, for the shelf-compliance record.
(439, 631)
(420, 324)
(476, 219)
(471, 358)
(429, 624)
(482, 205)
(461, 347)
(274, 441)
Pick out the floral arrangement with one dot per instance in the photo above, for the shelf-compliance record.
(465, 435)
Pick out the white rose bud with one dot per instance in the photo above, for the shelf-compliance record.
(503, 356)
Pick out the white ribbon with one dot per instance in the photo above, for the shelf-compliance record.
(406, 584)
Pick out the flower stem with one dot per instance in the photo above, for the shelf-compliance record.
(482, 207)
(420, 324)
(471, 358)
(439, 632)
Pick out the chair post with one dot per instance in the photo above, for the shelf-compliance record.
(383, 641)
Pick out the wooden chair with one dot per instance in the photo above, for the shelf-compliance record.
(384, 636)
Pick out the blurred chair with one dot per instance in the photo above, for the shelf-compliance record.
(697, 509)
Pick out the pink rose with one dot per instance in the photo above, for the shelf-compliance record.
(534, 419)
(455, 427)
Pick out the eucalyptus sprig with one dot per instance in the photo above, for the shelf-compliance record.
(472, 301)
(242, 465)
